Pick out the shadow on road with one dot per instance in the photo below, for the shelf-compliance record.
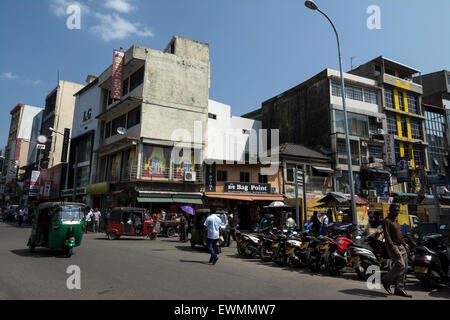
(39, 253)
(365, 293)
(194, 261)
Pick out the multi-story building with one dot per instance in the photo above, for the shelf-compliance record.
(164, 103)
(56, 119)
(311, 114)
(436, 103)
(85, 138)
(402, 104)
(233, 176)
(16, 154)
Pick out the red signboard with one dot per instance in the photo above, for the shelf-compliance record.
(117, 75)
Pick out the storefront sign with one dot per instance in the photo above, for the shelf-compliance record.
(241, 187)
(117, 75)
(210, 181)
(34, 184)
(389, 150)
(156, 162)
(438, 180)
(402, 170)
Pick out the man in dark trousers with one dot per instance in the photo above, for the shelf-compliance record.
(398, 251)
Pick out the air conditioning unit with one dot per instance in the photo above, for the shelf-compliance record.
(363, 144)
(379, 120)
(365, 159)
(373, 193)
(190, 176)
(380, 131)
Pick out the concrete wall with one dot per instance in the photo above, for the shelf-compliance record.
(226, 138)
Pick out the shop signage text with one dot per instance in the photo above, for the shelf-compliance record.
(241, 187)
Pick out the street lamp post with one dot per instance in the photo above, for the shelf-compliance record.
(311, 5)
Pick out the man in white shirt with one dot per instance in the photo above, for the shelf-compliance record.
(325, 222)
(88, 219)
(213, 224)
(96, 215)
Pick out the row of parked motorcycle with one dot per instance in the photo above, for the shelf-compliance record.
(336, 252)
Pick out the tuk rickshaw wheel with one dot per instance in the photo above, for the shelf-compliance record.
(32, 247)
(152, 236)
(112, 236)
(68, 251)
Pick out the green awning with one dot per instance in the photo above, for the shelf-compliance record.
(187, 200)
(156, 200)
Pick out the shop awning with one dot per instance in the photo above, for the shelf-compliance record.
(155, 200)
(187, 200)
(324, 170)
(378, 171)
(244, 197)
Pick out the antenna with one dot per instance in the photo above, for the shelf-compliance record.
(351, 62)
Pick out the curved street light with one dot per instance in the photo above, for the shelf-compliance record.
(311, 5)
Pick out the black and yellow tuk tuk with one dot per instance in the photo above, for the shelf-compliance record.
(58, 225)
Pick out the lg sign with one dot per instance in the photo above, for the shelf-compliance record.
(87, 115)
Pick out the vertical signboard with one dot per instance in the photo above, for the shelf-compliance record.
(65, 148)
(34, 185)
(389, 150)
(210, 181)
(402, 170)
(117, 75)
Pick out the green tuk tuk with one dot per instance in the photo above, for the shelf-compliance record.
(58, 225)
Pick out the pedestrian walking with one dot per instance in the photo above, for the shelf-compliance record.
(88, 220)
(20, 216)
(182, 228)
(325, 223)
(96, 219)
(213, 224)
(398, 251)
(315, 223)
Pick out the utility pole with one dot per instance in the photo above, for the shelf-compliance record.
(300, 179)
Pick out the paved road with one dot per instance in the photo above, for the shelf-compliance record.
(165, 269)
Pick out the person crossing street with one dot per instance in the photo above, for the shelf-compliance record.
(213, 225)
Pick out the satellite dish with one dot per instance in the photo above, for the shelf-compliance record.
(121, 130)
(42, 139)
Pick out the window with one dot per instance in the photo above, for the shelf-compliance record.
(401, 103)
(412, 103)
(117, 123)
(435, 128)
(354, 93)
(376, 151)
(404, 127)
(389, 98)
(290, 172)
(416, 129)
(392, 124)
(222, 176)
(262, 178)
(134, 117)
(212, 116)
(358, 125)
(419, 155)
(108, 130)
(245, 177)
(137, 79)
(370, 96)
(126, 85)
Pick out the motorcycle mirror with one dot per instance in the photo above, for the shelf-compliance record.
(443, 227)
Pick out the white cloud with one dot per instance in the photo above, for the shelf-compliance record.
(10, 75)
(114, 27)
(119, 5)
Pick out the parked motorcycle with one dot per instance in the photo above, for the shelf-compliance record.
(337, 255)
(280, 252)
(362, 258)
(379, 249)
(296, 247)
(267, 238)
(431, 263)
(247, 245)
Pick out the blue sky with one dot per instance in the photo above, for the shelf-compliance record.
(259, 48)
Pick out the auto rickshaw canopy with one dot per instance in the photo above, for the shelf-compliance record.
(117, 213)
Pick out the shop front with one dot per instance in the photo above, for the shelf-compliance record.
(244, 199)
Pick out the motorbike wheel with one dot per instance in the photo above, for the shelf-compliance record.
(265, 256)
(330, 268)
(241, 250)
(281, 260)
(171, 232)
(425, 282)
(68, 252)
(152, 236)
(361, 270)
